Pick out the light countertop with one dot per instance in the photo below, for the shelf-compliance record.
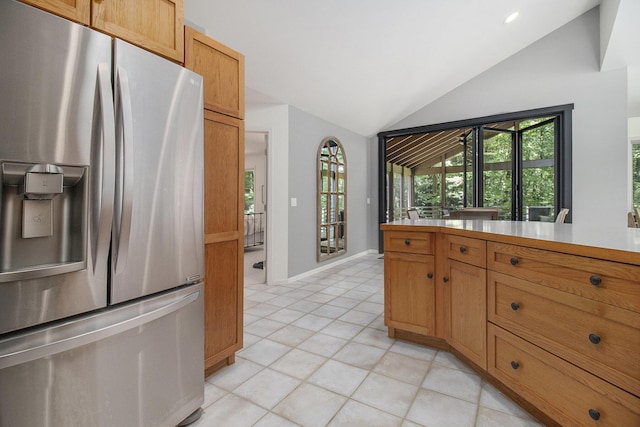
(597, 236)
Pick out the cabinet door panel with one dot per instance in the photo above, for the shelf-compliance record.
(410, 292)
(75, 10)
(156, 25)
(467, 330)
(223, 300)
(223, 174)
(222, 69)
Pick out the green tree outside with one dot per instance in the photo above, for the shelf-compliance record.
(538, 173)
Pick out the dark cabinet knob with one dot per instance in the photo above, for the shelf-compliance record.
(595, 339)
(594, 414)
(595, 280)
(407, 242)
(514, 261)
(514, 364)
(515, 306)
(463, 249)
(430, 275)
(445, 279)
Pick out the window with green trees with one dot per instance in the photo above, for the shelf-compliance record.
(249, 191)
(518, 162)
(635, 170)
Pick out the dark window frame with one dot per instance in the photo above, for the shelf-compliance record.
(563, 157)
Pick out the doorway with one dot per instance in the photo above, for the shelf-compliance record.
(255, 207)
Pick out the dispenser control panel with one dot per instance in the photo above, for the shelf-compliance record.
(43, 183)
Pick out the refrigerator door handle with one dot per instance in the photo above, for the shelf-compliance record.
(124, 170)
(103, 210)
(71, 341)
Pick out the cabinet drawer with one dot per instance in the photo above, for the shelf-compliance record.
(590, 334)
(609, 282)
(414, 242)
(465, 249)
(563, 391)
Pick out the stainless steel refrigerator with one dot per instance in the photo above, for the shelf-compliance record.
(101, 229)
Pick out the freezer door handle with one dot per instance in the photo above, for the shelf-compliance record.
(70, 341)
(124, 170)
(105, 135)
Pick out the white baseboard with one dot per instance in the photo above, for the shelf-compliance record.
(331, 265)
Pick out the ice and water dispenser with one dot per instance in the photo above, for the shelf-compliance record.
(43, 220)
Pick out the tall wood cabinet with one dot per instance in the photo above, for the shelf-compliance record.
(155, 25)
(223, 70)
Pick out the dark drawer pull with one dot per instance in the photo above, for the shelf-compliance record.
(514, 364)
(595, 280)
(514, 261)
(445, 279)
(463, 249)
(595, 339)
(515, 306)
(407, 242)
(430, 275)
(594, 414)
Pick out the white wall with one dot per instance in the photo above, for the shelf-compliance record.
(562, 68)
(634, 128)
(274, 119)
(293, 140)
(306, 132)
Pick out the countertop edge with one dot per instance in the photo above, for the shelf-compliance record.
(548, 236)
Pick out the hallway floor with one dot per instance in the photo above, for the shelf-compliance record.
(316, 353)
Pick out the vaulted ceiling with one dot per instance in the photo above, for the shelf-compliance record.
(366, 64)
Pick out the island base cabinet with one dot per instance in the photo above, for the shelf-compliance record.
(467, 310)
(564, 392)
(409, 293)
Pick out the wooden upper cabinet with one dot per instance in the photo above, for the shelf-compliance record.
(75, 10)
(223, 176)
(223, 72)
(155, 25)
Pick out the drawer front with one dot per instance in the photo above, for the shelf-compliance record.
(468, 250)
(609, 282)
(590, 334)
(414, 242)
(563, 391)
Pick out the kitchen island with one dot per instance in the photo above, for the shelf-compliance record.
(550, 313)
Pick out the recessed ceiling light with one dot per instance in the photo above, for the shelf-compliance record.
(511, 18)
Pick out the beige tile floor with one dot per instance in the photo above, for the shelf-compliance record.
(316, 353)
